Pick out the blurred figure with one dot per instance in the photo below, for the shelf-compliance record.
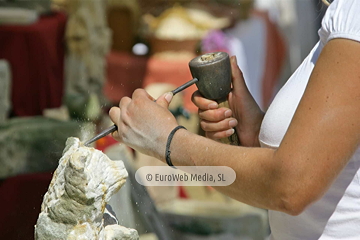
(88, 40)
(298, 21)
(259, 46)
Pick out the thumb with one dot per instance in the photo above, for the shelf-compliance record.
(238, 81)
(165, 99)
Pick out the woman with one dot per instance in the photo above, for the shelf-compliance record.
(301, 159)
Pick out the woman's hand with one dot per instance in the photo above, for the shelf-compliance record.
(245, 115)
(143, 124)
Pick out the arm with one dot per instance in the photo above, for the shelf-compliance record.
(320, 140)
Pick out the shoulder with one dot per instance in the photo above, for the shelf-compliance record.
(342, 20)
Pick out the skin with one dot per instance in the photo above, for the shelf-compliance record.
(323, 134)
(246, 115)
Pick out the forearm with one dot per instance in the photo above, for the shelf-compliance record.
(309, 158)
(257, 182)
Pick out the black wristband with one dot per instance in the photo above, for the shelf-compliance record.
(167, 150)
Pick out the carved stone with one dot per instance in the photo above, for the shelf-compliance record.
(74, 206)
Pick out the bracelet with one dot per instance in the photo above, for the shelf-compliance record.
(167, 150)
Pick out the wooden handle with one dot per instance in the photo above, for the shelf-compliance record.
(233, 139)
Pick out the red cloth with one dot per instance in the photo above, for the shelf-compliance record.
(36, 56)
(125, 73)
(20, 201)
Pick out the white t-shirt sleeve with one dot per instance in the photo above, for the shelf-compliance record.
(342, 20)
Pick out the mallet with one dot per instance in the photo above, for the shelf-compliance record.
(212, 75)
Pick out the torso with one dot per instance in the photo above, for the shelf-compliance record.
(337, 214)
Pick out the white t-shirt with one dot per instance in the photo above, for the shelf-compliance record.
(337, 214)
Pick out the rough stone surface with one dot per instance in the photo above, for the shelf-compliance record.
(116, 232)
(33, 144)
(74, 205)
(5, 89)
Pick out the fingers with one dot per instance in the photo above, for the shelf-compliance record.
(218, 126)
(203, 103)
(141, 93)
(114, 114)
(220, 129)
(116, 136)
(217, 123)
(165, 99)
(215, 115)
(220, 135)
(237, 76)
(124, 102)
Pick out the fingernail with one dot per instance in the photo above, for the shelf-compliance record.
(169, 96)
(228, 113)
(230, 132)
(233, 123)
(213, 105)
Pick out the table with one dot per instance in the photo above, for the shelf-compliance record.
(36, 56)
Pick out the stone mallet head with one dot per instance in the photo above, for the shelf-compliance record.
(213, 71)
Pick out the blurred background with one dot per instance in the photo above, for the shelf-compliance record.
(65, 63)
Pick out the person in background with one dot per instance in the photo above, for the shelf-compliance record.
(300, 160)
